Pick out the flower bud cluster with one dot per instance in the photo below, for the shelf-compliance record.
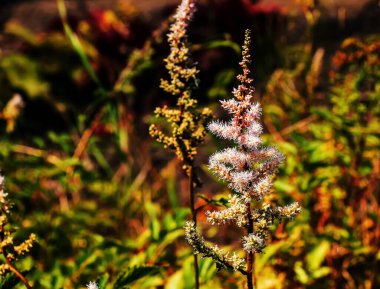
(288, 212)
(253, 243)
(10, 251)
(186, 122)
(234, 213)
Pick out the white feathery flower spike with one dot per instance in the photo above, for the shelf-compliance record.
(92, 285)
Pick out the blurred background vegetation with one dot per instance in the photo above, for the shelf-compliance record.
(79, 81)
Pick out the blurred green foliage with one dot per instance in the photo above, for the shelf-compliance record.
(108, 205)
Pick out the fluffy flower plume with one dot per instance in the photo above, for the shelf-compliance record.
(185, 123)
(92, 285)
(249, 169)
(235, 165)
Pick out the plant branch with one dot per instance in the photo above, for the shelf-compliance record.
(229, 266)
(19, 275)
(11, 267)
(194, 217)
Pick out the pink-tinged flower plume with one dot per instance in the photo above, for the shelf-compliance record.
(249, 168)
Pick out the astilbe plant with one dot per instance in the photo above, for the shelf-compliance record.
(249, 169)
(186, 121)
(8, 249)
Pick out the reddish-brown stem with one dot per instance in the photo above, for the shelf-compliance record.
(194, 217)
(11, 267)
(250, 256)
(19, 275)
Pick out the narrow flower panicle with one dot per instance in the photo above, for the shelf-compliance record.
(185, 122)
(223, 259)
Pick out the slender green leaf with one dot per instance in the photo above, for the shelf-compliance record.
(134, 274)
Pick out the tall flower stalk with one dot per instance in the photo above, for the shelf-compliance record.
(186, 121)
(248, 168)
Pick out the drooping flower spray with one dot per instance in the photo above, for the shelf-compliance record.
(186, 121)
(248, 168)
